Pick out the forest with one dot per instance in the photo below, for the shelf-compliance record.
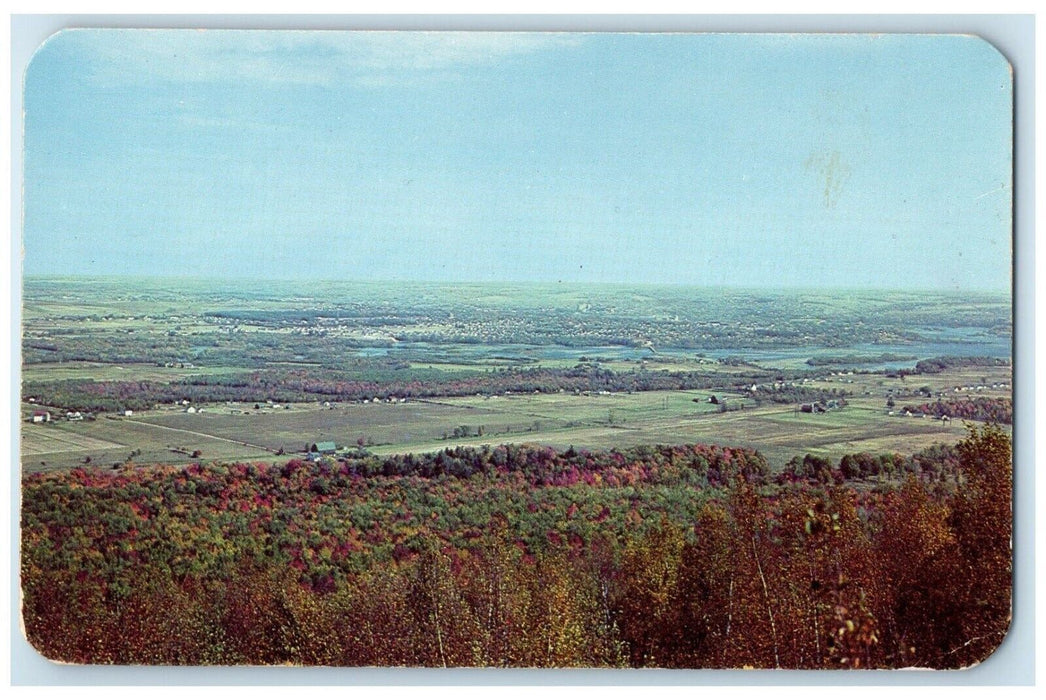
(689, 556)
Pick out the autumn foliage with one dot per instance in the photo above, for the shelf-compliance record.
(979, 408)
(687, 556)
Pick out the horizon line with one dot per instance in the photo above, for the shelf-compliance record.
(1008, 291)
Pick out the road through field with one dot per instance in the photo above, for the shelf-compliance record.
(209, 436)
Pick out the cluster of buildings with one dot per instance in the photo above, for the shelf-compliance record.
(41, 416)
(820, 406)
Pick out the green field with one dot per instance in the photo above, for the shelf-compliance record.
(777, 431)
(99, 371)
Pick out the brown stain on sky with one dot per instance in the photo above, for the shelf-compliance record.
(834, 170)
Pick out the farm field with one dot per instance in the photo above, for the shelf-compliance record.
(49, 439)
(559, 420)
(63, 445)
(103, 371)
(776, 431)
(971, 381)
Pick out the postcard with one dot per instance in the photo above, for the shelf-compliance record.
(516, 349)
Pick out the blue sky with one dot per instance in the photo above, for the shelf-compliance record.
(743, 160)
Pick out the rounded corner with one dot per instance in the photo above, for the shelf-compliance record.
(49, 41)
(991, 653)
(996, 52)
(31, 647)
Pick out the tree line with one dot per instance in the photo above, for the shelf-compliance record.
(304, 385)
(982, 408)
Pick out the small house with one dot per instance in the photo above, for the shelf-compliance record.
(128, 413)
(41, 417)
(324, 448)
